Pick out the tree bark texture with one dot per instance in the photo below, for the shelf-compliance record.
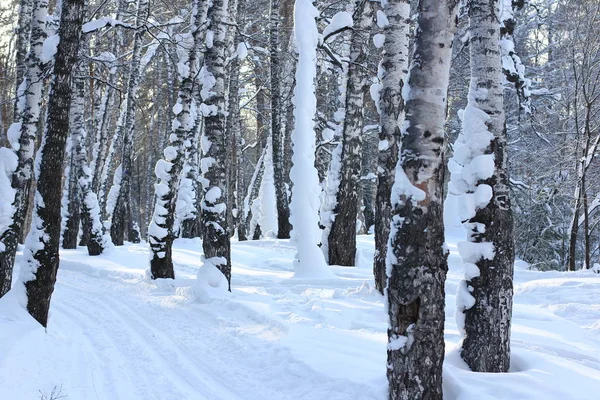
(416, 262)
(394, 67)
(216, 243)
(41, 253)
(26, 129)
(342, 237)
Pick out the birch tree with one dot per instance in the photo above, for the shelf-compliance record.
(416, 259)
(22, 136)
(38, 274)
(216, 243)
(169, 169)
(342, 237)
(310, 261)
(119, 196)
(283, 211)
(393, 70)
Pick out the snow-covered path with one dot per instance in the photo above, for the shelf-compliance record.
(113, 334)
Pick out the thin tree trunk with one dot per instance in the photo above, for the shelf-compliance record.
(121, 192)
(342, 237)
(391, 107)
(216, 245)
(283, 209)
(41, 254)
(417, 262)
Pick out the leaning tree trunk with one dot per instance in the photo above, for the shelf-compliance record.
(394, 65)
(216, 243)
(342, 237)
(22, 136)
(168, 170)
(480, 177)
(283, 209)
(121, 190)
(417, 261)
(41, 253)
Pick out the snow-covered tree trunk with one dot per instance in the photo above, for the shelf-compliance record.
(169, 170)
(88, 207)
(120, 193)
(248, 218)
(393, 72)
(304, 207)
(480, 178)
(21, 43)
(22, 136)
(416, 259)
(283, 210)
(342, 237)
(38, 272)
(216, 243)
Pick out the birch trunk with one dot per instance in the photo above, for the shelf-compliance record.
(394, 70)
(283, 209)
(168, 170)
(122, 189)
(416, 261)
(485, 297)
(216, 243)
(38, 274)
(342, 237)
(22, 136)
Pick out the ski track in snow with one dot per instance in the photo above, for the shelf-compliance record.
(113, 334)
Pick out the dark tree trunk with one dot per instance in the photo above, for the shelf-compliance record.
(342, 237)
(216, 243)
(391, 108)
(283, 208)
(418, 263)
(43, 240)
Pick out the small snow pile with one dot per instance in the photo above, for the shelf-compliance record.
(596, 268)
(49, 48)
(339, 22)
(266, 211)
(210, 282)
(8, 164)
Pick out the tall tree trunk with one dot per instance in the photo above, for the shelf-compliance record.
(417, 262)
(121, 191)
(168, 170)
(342, 237)
(304, 208)
(234, 127)
(216, 243)
(283, 209)
(484, 300)
(41, 253)
(394, 66)
(22, 137)
(22, 39)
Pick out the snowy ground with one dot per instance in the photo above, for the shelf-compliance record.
(115, 335)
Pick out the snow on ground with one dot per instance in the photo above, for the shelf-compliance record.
(113, 334)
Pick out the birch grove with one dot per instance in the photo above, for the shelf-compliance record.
(356, 137)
